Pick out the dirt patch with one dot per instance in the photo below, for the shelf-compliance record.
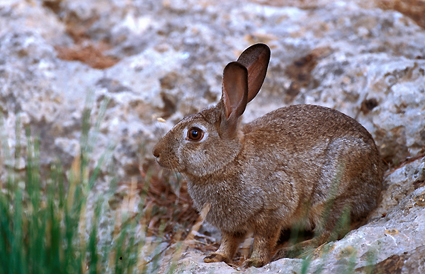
(415, 9)
(300, 72)
(90, 54)
(84, 50)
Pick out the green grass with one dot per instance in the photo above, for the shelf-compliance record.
(47, 225)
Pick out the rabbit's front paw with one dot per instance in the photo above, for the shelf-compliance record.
(216, 257)
(254, 262)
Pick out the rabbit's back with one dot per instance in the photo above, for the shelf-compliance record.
(307, 123)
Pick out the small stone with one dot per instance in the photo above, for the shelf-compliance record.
(420, 200)
(346, 252)
(392, 231)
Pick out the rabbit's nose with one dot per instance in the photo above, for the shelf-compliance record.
(156, 152)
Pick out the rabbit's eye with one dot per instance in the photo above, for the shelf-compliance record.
(195, 134)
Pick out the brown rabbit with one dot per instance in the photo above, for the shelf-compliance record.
(260, 176)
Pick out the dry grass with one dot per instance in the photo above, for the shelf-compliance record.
(168, 208)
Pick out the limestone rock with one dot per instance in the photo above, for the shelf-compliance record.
(167, 60)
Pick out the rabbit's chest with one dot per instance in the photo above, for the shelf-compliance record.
(231, 204)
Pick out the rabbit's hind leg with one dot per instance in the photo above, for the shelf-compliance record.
(333, 224)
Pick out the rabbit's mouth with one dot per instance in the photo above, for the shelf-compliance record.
(166, 162)
(161, 162)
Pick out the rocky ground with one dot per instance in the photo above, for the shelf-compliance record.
(164, 59)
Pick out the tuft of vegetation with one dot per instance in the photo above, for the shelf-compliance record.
(57, 223)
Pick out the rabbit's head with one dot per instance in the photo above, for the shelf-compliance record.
(204, 142)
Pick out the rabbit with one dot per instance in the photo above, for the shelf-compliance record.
(260, 177)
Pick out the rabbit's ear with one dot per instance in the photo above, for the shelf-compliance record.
(235, 92)
(256, 60)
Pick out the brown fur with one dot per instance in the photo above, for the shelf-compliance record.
(261, 176)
